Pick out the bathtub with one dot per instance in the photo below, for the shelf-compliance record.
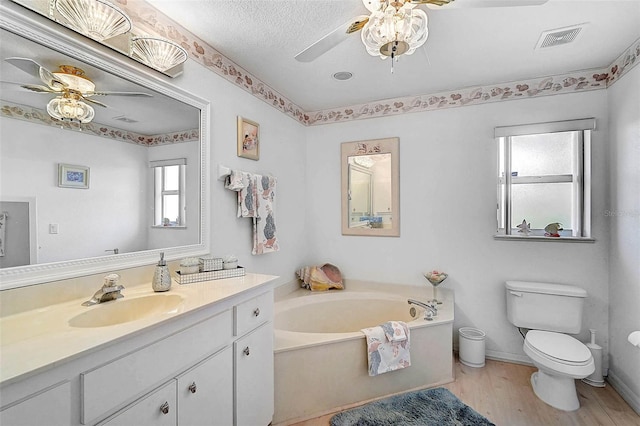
(320, 353)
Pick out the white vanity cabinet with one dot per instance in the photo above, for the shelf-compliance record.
(199, 396)
(49, 407)
(210, 366)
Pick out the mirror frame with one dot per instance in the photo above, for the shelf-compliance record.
(369, 147)
(28, 24)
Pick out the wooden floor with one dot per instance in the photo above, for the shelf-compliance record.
(502, 392)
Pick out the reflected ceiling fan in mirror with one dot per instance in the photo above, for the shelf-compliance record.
(395, 27)
(73, 88)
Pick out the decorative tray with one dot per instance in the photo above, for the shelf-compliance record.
(209, 275)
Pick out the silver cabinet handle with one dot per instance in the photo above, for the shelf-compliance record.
(256, 312)
(164, 408)
(246, 351)
(193, 388)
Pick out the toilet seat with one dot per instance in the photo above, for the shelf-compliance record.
(559, 353)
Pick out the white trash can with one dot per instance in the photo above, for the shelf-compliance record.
(471, 345)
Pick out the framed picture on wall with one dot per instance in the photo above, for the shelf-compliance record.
(248, 139)
(70, 176)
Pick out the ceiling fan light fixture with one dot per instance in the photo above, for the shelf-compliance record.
(158, 53)
(66, 108)
(74, 79)
(393, 31)
(96, 19)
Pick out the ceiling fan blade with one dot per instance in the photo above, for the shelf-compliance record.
(463, 4)
(35, 69)
(38, 88)
(93, 101)
(107, 93)
(332, 39)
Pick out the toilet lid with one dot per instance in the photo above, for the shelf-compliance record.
(559, 346)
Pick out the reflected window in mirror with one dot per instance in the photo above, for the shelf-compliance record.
(370, 188)
(169, 192)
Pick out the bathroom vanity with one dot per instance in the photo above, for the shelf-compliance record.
(202, 355)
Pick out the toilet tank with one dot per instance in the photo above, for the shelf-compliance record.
(544, 306)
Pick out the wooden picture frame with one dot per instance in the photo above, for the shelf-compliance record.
(70, 176)
(248, 139)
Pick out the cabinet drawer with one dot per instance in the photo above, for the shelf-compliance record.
(51, 407)
(159, 408)
(253, 312)
(205, 393)
(118, 382)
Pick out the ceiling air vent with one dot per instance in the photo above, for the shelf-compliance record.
(125, 119)
(559, 36)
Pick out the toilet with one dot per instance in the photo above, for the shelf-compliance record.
(551, 312)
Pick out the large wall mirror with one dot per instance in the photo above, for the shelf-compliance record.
(370, 188)
(81, 198)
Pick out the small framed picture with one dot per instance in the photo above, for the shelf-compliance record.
(70, 176)
(248, 139)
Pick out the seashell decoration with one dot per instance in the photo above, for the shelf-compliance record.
(321, 278)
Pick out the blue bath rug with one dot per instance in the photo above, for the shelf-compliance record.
(429, 407)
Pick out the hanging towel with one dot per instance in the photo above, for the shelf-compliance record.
(265, 237)
(394, 331)
(234, 181)
(257, 200)
(384, 355)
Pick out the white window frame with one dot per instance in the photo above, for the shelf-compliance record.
(158, 170)
(580, 178)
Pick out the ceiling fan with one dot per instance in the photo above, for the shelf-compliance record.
(73, 88)
(395, 27)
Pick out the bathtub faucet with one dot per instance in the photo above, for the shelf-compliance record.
(430, 310)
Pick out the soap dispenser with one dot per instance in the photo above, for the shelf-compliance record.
(161, 277)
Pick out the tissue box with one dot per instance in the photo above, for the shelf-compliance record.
(210, 264)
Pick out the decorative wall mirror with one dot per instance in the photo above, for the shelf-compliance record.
(370, 188)
(114, 155)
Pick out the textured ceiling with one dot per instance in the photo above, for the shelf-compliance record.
(466, 46)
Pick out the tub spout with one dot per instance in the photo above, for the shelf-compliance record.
(430, 310)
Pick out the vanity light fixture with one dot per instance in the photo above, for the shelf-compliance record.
(96, 19)
(158, 53)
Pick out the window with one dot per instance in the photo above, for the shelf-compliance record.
(169, 193)
(544, 179)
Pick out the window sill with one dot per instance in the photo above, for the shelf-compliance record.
(167, 227)
(541, 238)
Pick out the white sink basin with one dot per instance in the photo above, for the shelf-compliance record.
(126, 310)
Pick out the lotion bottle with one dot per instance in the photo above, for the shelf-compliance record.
(161, 277)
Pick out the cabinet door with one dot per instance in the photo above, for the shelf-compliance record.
(52, 407)
(254, 377)
(156, 409)
(205, 393)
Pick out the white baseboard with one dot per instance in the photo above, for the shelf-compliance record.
(504, 356)
(625, 392)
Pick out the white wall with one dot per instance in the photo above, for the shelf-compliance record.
(282, 154)
(448, 212)
(86, 228)
(622, 214)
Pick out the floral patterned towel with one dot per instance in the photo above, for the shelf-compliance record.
(385, 355)
(257, 200)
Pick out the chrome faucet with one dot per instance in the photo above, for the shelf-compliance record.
(430, 310)
(110, 291)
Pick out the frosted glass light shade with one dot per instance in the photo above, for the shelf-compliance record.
(70, 109)
(157, 53)
(401, 31)
(97, 19)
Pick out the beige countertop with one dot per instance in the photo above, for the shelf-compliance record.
(36, 339)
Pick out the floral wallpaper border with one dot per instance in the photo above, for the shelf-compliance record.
(149, 18)
(38, 116)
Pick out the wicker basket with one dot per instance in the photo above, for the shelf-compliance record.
(207, 276)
